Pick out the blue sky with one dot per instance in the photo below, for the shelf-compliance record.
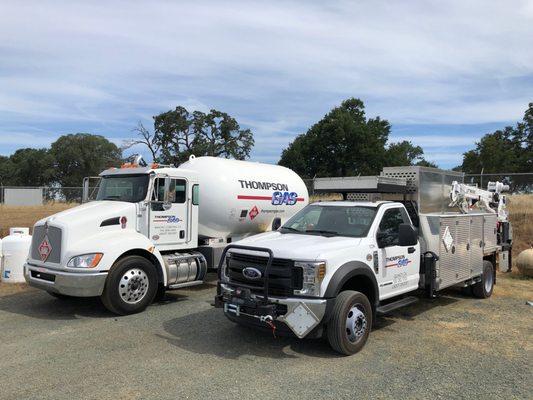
(442, 73)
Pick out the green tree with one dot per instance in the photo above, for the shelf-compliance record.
(80, 155)
(425, 163)
(405, 153)
(32, 167)
(179, 134)
(344, 142)
(7, 172)
(507, 150)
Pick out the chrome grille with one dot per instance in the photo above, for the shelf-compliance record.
(54, 237)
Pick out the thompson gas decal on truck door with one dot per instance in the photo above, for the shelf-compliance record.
(399, 272)
(169, 226)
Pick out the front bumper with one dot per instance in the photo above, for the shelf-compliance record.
(301, 315)
(77, 284)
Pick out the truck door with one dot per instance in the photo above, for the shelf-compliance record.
(399, 265)
(168, 220)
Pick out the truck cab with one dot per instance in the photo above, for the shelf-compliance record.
(369, 250)
(127, 244)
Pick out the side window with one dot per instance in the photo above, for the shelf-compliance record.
(196, 195)
(177, 192)
(178, 187)
(389, 226)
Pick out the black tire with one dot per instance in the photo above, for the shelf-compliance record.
(161, 293)
(60, 296)
(484, 288)
(130, 286)
(341, 338)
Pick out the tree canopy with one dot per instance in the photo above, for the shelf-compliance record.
(27, 167)
(178, 134)
(507, 150)
(345, 142)
(82, 154)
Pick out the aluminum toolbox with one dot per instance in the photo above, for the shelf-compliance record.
(429, 188)
(460, 241)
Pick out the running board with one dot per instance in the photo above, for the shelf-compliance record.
(185, 284)
(396, 304)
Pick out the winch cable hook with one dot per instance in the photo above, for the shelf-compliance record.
(269, 321)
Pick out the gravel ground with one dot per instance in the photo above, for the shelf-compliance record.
(451, 347)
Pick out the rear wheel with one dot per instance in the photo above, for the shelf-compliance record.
(483, 289)
(130, 286)
(350, 322)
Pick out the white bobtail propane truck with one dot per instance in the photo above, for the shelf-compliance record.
(336, 265)
(155, 227)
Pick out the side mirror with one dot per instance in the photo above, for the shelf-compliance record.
(167, 204)
(407, 235)
(85, 194)
(276, 223)
(166, 196)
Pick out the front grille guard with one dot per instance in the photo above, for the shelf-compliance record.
(250, 248)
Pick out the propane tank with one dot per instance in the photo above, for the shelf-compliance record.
(15, 249)
(238, 197)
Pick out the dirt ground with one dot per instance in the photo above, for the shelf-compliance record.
(454, 346)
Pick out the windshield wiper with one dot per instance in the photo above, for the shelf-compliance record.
(111, 197)
(322, 232)
(291, 229)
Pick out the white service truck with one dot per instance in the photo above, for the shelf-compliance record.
(336, 265)
(151, 229)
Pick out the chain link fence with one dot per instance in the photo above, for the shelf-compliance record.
(519, 183)
(50, 194)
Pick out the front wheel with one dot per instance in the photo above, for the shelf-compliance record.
(483, 289)
(130, 286)
(350, 322)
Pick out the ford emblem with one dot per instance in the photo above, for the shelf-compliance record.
(251, 273)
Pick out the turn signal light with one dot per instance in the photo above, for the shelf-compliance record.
(321, 272)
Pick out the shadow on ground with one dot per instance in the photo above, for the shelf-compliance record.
(410, 313)
(210, 332)
(37, 304)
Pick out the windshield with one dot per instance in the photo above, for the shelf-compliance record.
(130, 188)
(331, 221)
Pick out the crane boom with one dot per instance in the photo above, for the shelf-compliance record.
(467, 197)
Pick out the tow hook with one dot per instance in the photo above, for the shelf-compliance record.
(268, 319)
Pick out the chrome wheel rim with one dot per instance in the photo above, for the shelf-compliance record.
(133, 286)
(355, 323)
(488, 282)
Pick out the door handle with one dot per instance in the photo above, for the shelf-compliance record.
(411, 250)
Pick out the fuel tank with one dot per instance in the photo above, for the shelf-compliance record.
(241, 197)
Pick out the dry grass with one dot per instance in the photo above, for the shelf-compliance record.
(521, 216)
(11, 216)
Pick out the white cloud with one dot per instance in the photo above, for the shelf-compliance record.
(277, 67)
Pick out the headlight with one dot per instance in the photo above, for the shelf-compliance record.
(85, 261)
(313, 274)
